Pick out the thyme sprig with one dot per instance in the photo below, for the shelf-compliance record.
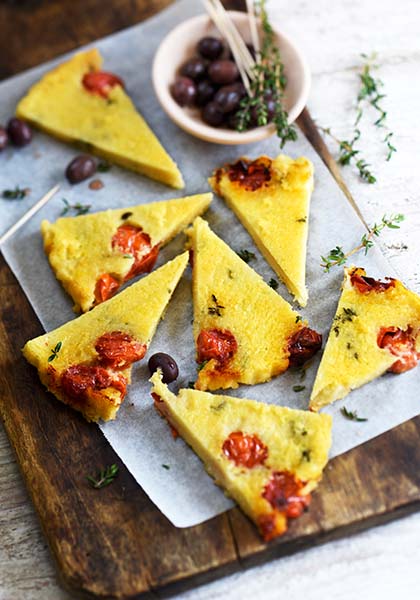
(246, 255)
(370, 94)
(267, 85)
(79, 209)
(104, 477)
(351, 415)
(16, 194)
(337, 256)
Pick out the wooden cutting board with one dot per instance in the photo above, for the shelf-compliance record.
(114, 543)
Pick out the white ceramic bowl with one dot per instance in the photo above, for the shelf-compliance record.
(179, 45)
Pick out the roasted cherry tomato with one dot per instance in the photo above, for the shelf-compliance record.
(219, 344)
(106, 286)
(364, 285)
(131, 240)
(77, 380)
(101, 82)
(119, 350)
(245, 450)
(251, 174)
(303, 345)
(283, 493)
(401, 344)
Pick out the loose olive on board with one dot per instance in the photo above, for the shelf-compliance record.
(4, 138)
(82, 167)
(166, 363)
(19, 132)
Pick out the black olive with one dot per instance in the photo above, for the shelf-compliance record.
(4, 138)
(229, 97)
(184, 91)
(19, 132)
(205, 92)
(195, 69)
(163, 361)
(82, 167)
(223, 72)
(210, 47)
(212, 115)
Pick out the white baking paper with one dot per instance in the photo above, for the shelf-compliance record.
(184, 492)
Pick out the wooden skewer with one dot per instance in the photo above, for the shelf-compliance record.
(29, 214)
(253, 25)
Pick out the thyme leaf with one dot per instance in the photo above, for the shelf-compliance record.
(16, 194)
(103, 166)
(299, 388)
(337, 256)
(246, 255)
(55, 351)
(104, 477)
(217, 308)
(351, 415)
(273, 283)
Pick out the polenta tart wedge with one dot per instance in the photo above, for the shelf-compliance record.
(78, 102)
(244, 331)
(376, 329)
(86, 363)
(267, 458)
(93, 254)
(271, 198)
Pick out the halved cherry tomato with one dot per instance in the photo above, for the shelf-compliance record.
(303, 345)
(77, 380)
(106, 286)
(101, 82)
(219, 344)
(251, 174)
(401, 344)
(364, 285)
(119, 350)
(131, 240)
(283, 493)
(245, 450)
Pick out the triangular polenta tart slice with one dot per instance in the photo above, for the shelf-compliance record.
(86, 363)
(267, 458)
(77, 102)
(376, 329)
(271, 199)
(92, 255)
(244, 331)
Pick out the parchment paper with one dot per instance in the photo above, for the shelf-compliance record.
(184, 492)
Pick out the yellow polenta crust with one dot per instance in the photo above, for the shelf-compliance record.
(276, 215)
(352, 356)
(205, 421)
(80, 251)
(135, 311)
(260, 319)
(110, 127)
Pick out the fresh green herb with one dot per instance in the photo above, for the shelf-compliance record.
(79, 209)
(356, 355)
(217, 308)
(298, 318)
(126, 215)
(103, 166)
(103, 478)
(348, 154)
(201, 365)
(246, 255)
(167, 467)
(299, 388)
(191, 385)
(302, 220)
(391, 148)
(306, 455)
(273, 283)
(337, 256)
(16, 194)
(269, 82)
(351, 416)
(230, 274)
(55, 351)
(302, 373)
(218, 407)
(345, 316)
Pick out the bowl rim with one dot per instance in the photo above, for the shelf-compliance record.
(222, 135)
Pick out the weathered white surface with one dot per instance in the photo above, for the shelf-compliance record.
(383, 562)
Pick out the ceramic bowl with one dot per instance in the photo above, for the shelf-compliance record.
(179, 45)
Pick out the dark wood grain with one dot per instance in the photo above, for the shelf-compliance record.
(114, 543)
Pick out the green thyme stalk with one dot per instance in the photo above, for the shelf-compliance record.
(267, 86)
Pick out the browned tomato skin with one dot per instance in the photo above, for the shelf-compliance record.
(77, 380)
(132, 240)
(401, 344)
(101, 82)
(283, 493)
(245, 450)
(105, 288)
(364, 284)
(119, 350)
(303, 345)
(251, 175)
(217, 344)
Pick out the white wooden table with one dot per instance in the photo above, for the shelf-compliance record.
(382, 562)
